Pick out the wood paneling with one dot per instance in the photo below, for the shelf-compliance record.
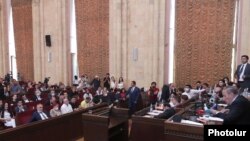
(92, 22)
(23, 34)
(204, 34)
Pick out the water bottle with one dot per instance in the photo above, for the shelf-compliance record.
(151, 108)
(206, 110)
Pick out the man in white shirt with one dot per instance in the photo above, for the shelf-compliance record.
(189, 92)
(66, 107)
(242, 73)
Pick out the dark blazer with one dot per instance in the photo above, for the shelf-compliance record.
(18, 110)
(238, 112)
(133, 96)
(166, 114)
(36, 116)
(246, 82)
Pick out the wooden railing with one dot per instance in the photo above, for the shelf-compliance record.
(67, 127)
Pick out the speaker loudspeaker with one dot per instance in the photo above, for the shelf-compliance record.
(48, 40)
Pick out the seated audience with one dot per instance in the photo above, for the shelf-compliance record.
(99, 91)
(55, 111)
(86, 103)
(66, 107)
(25, 99)
(73, 103)
(20, 107)
(39, 114)
(14, 100)
(52, 101)
(61, 98)
(37, 96)
(87, 94)
(7, 116)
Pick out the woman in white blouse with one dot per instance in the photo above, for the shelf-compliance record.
(120, 84)
(7, 116)
(112, 82)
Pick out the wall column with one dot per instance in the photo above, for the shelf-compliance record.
(4, 43)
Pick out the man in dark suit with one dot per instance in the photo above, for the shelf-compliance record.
(167, 113)
(237, 111)
(242, 73)
(39, 114)
(133, 94)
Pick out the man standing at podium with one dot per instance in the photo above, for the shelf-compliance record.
(242, 73)
(132, 94)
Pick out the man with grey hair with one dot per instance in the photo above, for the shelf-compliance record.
(237, 111)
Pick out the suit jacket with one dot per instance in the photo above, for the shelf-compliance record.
(166, 114)
(36, 116)
(18, 110)
(238, 112)
(246, 73)
(133, 95)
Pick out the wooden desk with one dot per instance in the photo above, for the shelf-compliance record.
(149, 129)
(106, 125)
(67, 127)
(182, 132)
(145, 128)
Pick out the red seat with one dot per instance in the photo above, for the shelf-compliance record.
(24, 117)
(48, 108)
(32, 105)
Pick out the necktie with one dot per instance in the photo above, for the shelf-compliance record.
(241, 68)
(43, 115)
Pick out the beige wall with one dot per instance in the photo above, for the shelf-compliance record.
(137, 24)
(244, 29)
(51, 17)
(133, 24)
(4, 52)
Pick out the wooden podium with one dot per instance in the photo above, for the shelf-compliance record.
(106, 124)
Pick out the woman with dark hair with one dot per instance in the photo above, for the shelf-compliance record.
(7, 116)
(120, 84)
(165, 93)
(227, 81)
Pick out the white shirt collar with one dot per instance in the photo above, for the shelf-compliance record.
(234, 99)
